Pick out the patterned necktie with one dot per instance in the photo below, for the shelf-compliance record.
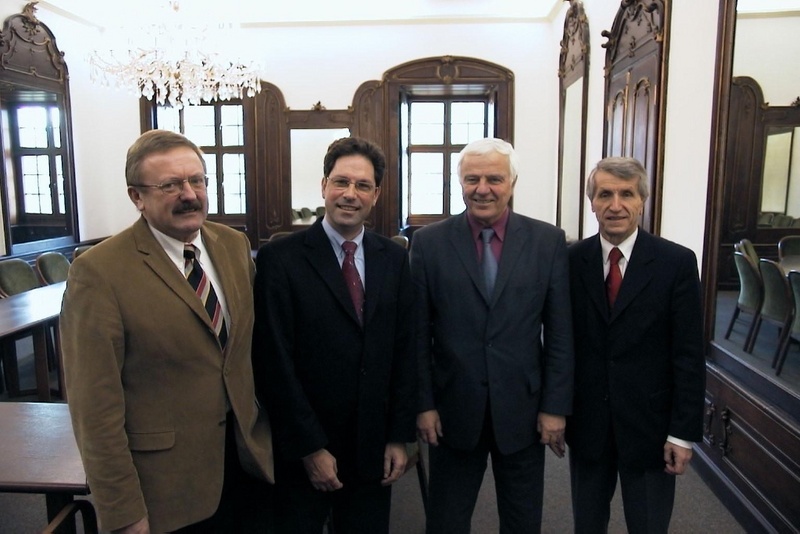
(614, 279)
(205, 290)
(352, 279)
(489, 262)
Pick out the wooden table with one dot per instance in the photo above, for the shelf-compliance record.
(39, 454)
(33, 311)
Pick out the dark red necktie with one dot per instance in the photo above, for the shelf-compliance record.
(614, 279)
(352, 279)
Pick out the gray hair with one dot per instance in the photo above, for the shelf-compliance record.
(624, 168)
(481, 147)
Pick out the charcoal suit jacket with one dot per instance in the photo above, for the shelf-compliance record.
(475, 350)
(639, 368)
(335, 384)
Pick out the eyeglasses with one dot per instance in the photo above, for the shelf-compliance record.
(174, 187)
(340, 184)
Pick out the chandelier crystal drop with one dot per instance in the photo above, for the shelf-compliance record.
(173, 67)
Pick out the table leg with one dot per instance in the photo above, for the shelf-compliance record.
(55, 503)
(40, 360)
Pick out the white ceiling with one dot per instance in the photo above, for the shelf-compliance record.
(106, 13)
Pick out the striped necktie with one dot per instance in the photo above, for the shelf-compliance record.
(205, 290)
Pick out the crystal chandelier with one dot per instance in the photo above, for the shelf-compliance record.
(173, 68)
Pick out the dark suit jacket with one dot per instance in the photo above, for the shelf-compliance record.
(473, 350)
(147, 380)
(639, 368)
(335, 384)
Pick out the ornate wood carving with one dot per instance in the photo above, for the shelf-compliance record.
(28, 48)
(574, 58)
(635, 103)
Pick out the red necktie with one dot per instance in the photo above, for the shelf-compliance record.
(352, 279)
(205, 290)
(614, 279)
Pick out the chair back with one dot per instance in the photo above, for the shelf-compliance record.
(778, 305)
(746, 246)
(789, 246)
(320, 212)
(53, 267)
(401, 240)
(80, 250)
(794, 283)
(751, 288)
(278, 235)
(16, 276)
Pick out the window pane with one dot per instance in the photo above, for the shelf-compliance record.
(427, 123)
(55, 121)
(168, 118)
(199, 124)
(211, 172)
(32, 121)
(36, 184)
(232, 125)
(467, 122)
(426, 196)
(234, 183)
(60, 182)
(456, 195)
(404, 189)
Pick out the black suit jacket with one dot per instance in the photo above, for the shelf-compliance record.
(475, 350)
(639, 368)
(335, 384)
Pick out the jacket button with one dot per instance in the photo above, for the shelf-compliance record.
(363, 372)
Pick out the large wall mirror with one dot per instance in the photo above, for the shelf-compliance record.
(751, 433)
(310, 133)
(37, 173)
(573, 78)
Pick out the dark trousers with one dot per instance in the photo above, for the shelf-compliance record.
(356, 508)
(647, 494)
(456, 477)
(246, 502)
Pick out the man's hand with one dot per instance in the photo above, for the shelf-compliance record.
(395, 459)
(676, 458)
(321, 469)
(429, 427)
(142, 526)
(551, 430)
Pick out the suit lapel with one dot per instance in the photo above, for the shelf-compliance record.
(637, 274)
(592, 276)
(375, 265)
(514, 243)
(461, 238)
(322, 258)
(154, 256)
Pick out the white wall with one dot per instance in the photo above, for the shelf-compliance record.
(328, 63)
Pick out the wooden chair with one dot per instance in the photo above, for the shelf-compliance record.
(80, 250)
(794, 329)
(53, 267)
(400, 240)
(778, 307)
(16, 276)
(788, 246)
(751, 294)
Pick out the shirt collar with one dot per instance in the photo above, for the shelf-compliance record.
(174, 247)
(336, 238)
(626, 247)
(499, 226)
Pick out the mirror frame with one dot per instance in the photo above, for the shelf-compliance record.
(30, 58)
(573, 67)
